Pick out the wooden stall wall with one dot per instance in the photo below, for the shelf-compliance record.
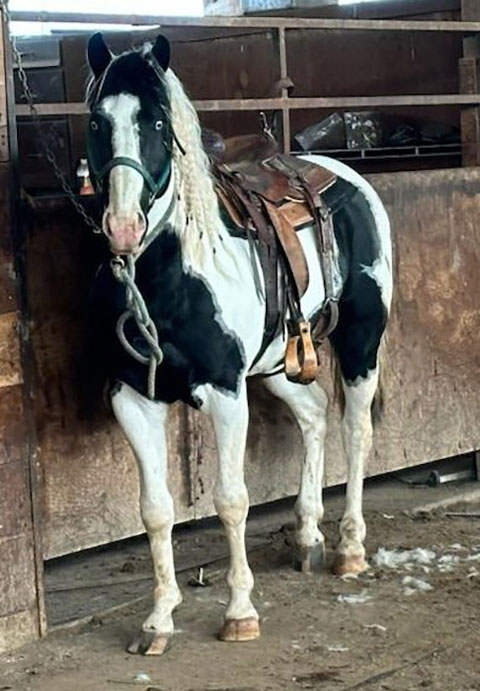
(432, 372)
(21, 617)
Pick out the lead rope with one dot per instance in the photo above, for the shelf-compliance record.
(124, 272)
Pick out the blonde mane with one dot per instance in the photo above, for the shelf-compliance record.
(200, 226)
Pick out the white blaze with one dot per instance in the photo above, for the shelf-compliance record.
(126, 184)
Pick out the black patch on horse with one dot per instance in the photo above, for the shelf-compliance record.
(362, 313)
(197, 348)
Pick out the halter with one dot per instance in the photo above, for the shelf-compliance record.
(155, 187)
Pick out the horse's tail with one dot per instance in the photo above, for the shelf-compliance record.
(378, 403)
(377, 408)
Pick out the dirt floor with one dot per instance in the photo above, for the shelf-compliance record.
(403, 626)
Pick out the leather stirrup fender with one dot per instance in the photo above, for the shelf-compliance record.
(301, 362)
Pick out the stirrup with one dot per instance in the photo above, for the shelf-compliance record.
(301, 362)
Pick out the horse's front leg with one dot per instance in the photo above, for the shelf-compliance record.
(230, 419)
(144, 422)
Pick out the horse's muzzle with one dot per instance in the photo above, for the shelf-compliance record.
(125, 232)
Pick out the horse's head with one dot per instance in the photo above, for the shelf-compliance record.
(129, 138)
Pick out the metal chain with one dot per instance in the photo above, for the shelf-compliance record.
(124, 273)
(30, 100)
(137, 309)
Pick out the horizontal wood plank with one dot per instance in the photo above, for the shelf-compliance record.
(49, 109)
(250, 22)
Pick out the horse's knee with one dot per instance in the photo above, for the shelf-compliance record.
(231, 504)
(157, 514)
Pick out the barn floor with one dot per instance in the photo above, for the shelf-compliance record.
(409, 626)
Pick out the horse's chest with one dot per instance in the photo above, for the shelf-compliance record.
(197, 347)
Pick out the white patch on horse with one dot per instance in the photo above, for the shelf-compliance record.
(126, 183)
(380, 272)
(230, 420)
(357, 441)
(381, 269)
(144, 423)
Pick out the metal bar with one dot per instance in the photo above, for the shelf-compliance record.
(248, 23)
(282, 50)
(52, 109)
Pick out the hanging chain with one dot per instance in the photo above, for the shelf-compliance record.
(43, 139)
(123, 272)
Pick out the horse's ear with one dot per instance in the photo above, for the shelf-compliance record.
(98, 54)
(161, 52)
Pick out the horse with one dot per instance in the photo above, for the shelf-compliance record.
(160, 209)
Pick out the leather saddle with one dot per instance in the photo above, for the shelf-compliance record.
(268, 197)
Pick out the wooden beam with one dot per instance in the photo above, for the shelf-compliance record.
(249, 23)
(245, 104)
(282, 50)
(469, 77)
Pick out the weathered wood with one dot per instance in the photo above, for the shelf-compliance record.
(21, 599)
(10, 365)
(16, 629)
(48, 109)
(250, 22)
(470, 117)
(470, 10)
(282, 51)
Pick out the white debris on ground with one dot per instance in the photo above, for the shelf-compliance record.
(415, 585)
(337, 649)
(408, 558)
(427, 561)
(354, 599)
(141, 678)
(424, 559)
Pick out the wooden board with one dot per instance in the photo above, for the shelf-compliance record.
(431, 383)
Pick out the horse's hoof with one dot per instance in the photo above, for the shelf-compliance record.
(240, 630)
(349, 564)
(309, 560)
(150, 643)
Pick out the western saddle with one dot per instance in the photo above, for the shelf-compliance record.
(267, 197)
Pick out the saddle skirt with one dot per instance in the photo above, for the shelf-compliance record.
(268, 200)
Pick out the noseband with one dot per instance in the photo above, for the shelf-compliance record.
(155, 187)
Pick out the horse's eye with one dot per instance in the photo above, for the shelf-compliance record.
(94, 125)
(159, 125)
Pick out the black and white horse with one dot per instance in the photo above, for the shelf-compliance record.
(146, 155)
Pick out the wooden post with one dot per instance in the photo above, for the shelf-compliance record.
(282, 50)
(22, 616)
(469, 67)
(470, 10)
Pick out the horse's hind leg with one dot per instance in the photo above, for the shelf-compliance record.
(357, 442)
(356, 341)
(309, 406)
(143, 422)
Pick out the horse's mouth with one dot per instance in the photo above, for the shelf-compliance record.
(125, 251)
